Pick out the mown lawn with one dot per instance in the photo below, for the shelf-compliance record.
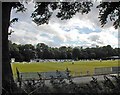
(76, 69)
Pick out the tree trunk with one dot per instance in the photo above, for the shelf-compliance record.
(8, 84)
(7, 77)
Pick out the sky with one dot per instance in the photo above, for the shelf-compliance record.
(81, 30)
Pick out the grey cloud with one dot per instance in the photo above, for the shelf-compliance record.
(25, 39)
(93, 45)
(94, 37)
(100, 42)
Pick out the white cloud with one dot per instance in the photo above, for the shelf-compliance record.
(66, 32)
(105, 37)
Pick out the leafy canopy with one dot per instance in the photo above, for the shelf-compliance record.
(111, 10)
(66, 10)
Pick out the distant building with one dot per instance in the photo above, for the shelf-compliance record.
(36, 60)
(50, 60)
(114, 57)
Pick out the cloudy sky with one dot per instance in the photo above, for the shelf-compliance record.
(81, 30)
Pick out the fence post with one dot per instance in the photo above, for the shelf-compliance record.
(87, 72)
(80, 73)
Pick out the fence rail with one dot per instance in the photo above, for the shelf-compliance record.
(44, 75)
(106, 70)
(63, 74)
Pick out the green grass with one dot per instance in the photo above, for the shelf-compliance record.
(78, 66)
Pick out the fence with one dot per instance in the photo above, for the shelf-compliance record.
(99, 71)
(44, 75)
(85, 73)
(106, 70)
(115, 69)
(63, 74)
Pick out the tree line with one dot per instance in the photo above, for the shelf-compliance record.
(42, 51)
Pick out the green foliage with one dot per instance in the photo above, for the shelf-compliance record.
(13, 20)
(109, 10)
(18, 6)
(76, 53)
(44, 10)
(43, 51)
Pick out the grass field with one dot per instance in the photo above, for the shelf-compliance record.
(76, 68)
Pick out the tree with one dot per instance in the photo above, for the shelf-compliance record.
(56, 53)
(15, 52)
(67, 10)
(40, 16)
(42, 50)
(6, 67)
(63, 52)
(76, 53)
(28, 52)
(69, 52)
(111, 10)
